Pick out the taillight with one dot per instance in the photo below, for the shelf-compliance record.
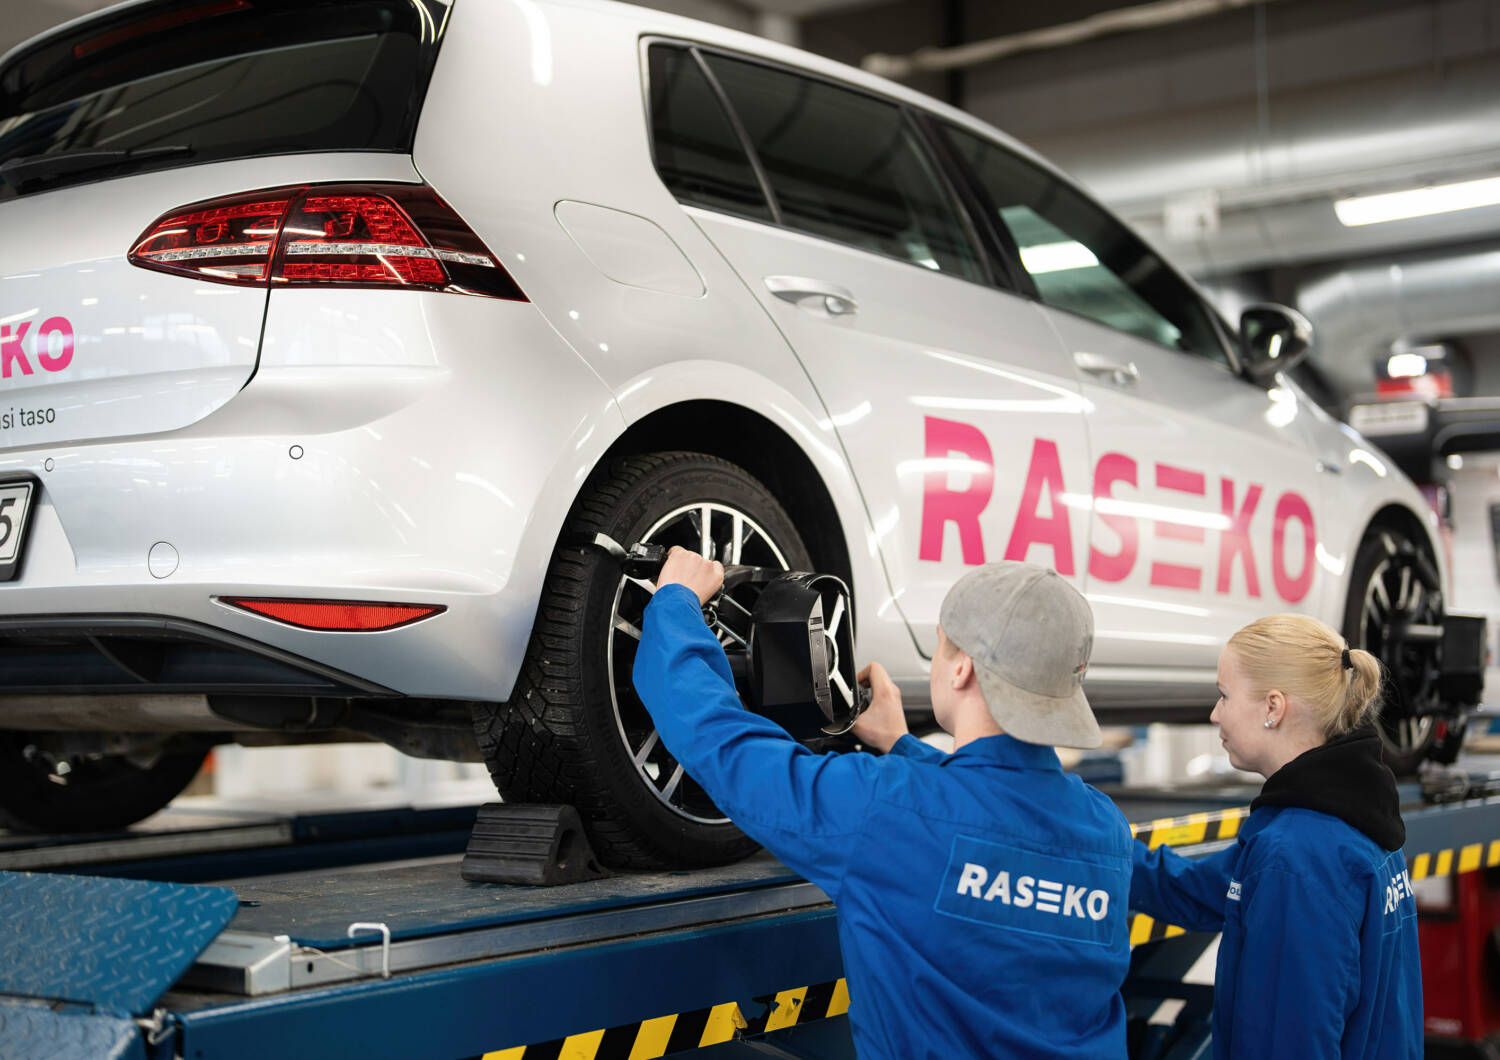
(231, 240)
(388, 236)
(337, 616)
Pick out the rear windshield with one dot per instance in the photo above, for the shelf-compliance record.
(174, 83)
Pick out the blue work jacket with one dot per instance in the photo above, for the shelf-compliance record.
(1319, 953)
(981, 897)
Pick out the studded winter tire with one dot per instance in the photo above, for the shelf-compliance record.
(574, 730)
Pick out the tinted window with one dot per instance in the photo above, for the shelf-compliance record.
(698, 153)
(189, 82)
(844, 165)
(1083, 260)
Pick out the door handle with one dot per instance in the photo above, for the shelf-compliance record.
(836, 300)
(1117, 372)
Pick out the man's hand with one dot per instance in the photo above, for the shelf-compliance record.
(704, 576)
(883, 722)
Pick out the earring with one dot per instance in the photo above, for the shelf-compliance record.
(1270, 724)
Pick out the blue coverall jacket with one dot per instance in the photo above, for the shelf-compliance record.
(1319, 954)
(981, 898)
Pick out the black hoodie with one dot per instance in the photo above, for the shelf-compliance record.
(1344, 778)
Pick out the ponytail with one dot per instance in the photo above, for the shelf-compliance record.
(1362, 696)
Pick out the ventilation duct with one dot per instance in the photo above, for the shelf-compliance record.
(1359, 311)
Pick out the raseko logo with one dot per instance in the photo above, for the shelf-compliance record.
(1024, 890)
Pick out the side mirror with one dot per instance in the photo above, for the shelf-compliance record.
(1273, 338)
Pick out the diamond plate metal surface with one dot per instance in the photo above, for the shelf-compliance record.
(114, 944)
(27, 1031)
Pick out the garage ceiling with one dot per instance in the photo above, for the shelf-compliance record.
(24, 19)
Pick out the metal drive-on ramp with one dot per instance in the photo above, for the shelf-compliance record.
(82, 958)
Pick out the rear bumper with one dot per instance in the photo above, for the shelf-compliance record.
(399, 448)
(145, 654)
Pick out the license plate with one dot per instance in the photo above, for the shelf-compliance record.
(15, 506)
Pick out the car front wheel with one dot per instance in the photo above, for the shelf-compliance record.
(1395, 612)
(58, 783)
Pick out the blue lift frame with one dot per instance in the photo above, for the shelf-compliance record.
(571, 996)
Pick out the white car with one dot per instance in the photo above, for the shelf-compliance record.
(332, 332)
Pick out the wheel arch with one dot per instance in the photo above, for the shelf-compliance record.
(755, 443)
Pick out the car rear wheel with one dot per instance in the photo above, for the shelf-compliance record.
(1395, 612)
(574, 730)
(48, 785)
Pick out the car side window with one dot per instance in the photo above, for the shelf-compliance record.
(847, 166)
(1083, 260)
(698, 154)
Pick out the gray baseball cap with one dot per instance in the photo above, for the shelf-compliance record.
(1029, 633)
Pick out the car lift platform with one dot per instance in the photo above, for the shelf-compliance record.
(395, 955)
(188, 846)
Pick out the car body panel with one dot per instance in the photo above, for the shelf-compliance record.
(1192, 468)
(938, 408)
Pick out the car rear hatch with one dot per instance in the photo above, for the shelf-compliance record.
(111, 124)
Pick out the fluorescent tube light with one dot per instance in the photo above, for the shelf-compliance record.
(1417, 202)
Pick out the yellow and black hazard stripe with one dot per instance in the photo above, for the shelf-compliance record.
(1454, 860)
(1180, 832)
(675, 1032)
(1194, 828)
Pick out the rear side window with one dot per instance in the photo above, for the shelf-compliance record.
(1083, 260)
(839, 163)
(698, 153)
(173, 83)
(847, 166)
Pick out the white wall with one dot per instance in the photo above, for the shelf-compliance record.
(320, 776)
(1476, 578)
(1476, 584)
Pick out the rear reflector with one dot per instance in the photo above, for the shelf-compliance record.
(338, 616)
(382, 236)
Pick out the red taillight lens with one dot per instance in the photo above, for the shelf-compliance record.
(340, 616)
(360, 239)
(229, 240)
(390, 236)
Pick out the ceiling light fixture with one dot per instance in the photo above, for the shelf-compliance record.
(1406, 366)
(1417, 202)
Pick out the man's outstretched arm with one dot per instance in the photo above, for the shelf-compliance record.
(806, 809)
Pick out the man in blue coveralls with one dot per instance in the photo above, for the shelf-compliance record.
(981, 895)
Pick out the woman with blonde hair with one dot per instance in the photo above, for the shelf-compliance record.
(1319, 950)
